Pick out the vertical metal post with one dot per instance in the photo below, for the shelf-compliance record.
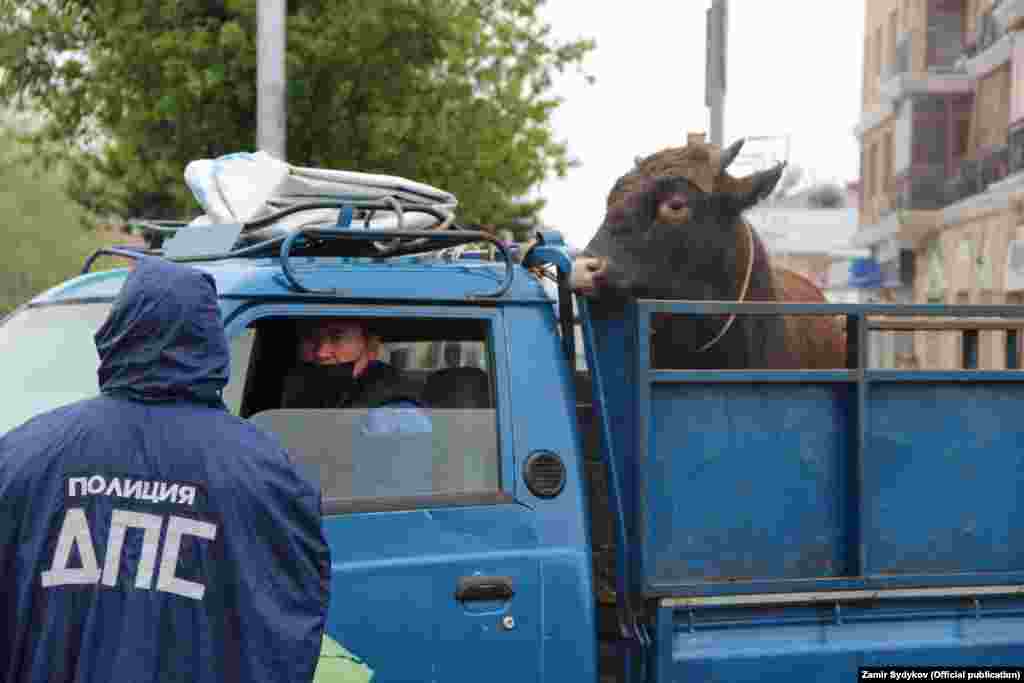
(857, 360)
(969, 350)
(270, 76)
(715, 68)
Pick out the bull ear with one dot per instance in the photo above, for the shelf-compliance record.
(752, 189)
(729, 154)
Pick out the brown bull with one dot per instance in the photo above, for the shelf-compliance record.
(674, 230)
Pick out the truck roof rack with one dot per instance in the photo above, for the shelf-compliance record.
(262, 238)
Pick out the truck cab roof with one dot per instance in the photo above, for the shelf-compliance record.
(415, 278)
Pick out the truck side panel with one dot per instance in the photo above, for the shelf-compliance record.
(826, 643)
(751, 484)
(942, 478)
(759, 482)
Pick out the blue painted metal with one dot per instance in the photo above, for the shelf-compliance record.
(756, 476)
(345, 217)
(944, 475)
(540, 422)
(550, 249)
(828, 642)
(417, 279)
(600, 376)
(769, 481)
(857, 552)
(393, 579)
(760, 376)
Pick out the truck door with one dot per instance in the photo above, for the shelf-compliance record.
(435, 570)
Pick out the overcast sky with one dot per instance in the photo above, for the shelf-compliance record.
(794, 68)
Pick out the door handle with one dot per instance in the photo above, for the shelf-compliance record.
(472, 588)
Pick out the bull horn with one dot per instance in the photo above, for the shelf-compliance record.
(729, 154)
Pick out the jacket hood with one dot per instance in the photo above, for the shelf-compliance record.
(164, 339)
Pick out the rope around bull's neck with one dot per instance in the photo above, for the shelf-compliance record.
(743, 290)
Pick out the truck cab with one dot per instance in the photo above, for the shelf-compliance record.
(459, 552)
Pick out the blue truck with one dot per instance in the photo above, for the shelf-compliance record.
(601, 520)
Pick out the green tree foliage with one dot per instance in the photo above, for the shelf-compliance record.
(455, 93)
(44, 241)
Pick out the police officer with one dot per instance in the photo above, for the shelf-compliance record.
(147, 534)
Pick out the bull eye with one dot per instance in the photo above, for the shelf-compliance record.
(674, 209)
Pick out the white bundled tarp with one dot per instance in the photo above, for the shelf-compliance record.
(242, 187)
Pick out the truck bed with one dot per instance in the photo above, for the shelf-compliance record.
(779, 520)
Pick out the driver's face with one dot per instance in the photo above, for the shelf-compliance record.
(334, 342)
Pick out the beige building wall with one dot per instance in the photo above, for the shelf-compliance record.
(963, 260)
(877, 171)
(879, 44)
(991, 110)
(965, 263)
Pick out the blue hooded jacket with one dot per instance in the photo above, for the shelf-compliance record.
(149, 535)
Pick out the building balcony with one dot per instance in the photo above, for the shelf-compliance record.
(928, 83)
(921, 190)
(965, 182)
(906, 75)
(987, 34)
(900, 63)
(1010, 14)
(976, 175)
(990, 58)
(995, 165)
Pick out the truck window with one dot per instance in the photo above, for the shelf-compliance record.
(47, 355)
(241, 348)
(421, 423)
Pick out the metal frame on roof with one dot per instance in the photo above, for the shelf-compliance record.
(261, 238)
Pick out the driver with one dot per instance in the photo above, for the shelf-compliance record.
(338, 368)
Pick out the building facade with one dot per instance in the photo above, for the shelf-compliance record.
(942, 161)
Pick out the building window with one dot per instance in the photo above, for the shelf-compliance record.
(876, 175)
(887, 162)
(869, 176)
(863, 193)
(878, 51)
(963, 138)
(935, 286)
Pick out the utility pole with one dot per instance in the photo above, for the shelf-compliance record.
(270, 77)
(715, 66)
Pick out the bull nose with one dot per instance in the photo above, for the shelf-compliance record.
(588, 273)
